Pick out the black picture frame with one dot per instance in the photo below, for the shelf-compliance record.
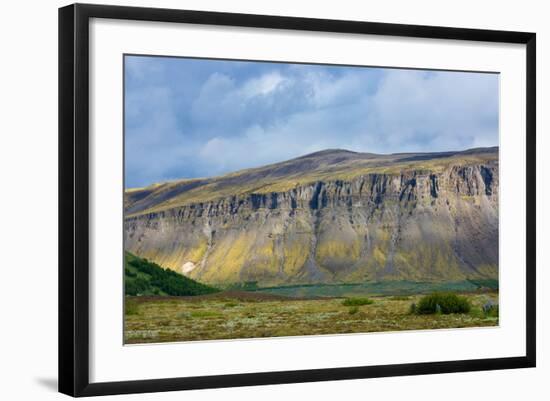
(74, 201)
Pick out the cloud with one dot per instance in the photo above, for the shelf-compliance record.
(190, 118)
(412, 111)
(262, 86)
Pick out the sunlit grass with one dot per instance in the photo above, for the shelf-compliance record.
(165, 320)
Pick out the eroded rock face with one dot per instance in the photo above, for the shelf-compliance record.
(415, 225)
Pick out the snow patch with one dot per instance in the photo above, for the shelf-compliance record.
(188, 267)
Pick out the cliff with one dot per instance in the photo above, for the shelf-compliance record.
(333, 216)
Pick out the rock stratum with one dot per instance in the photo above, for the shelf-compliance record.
(329, 217)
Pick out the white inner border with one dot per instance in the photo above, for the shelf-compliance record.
(111, 361)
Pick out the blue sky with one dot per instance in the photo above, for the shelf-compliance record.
(187, 118)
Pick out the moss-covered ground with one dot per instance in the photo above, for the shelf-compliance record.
(166, 319)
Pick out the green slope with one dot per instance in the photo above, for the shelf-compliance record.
(142, 277)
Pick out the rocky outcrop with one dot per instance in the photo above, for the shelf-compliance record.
(422, 225)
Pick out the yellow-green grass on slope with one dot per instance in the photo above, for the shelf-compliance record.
(172, 319)
(261, 181)
(351, 172)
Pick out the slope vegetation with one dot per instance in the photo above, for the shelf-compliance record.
(142, 277)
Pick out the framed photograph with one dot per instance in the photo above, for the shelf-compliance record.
(293, 199)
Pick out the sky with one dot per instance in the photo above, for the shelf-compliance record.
(189, 118)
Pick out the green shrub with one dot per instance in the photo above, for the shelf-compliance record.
(444, 303)
(357, 301)
(490, 309)
(135, 286)
(353, 310)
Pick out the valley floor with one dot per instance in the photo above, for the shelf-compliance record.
(248, 315)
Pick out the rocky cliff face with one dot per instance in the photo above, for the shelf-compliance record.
(417, 224)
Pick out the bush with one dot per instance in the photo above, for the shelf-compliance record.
(490, 309)
(357, 301)
(444, 303)
(135, 286)
(353, 310)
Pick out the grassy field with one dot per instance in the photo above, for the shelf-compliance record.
(251, 315)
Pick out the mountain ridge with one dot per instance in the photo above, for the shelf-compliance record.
(321, 165)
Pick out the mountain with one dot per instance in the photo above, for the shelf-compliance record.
(327, 217)
(142, 277)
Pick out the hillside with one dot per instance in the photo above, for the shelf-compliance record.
(142, 277)
(328, 217)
